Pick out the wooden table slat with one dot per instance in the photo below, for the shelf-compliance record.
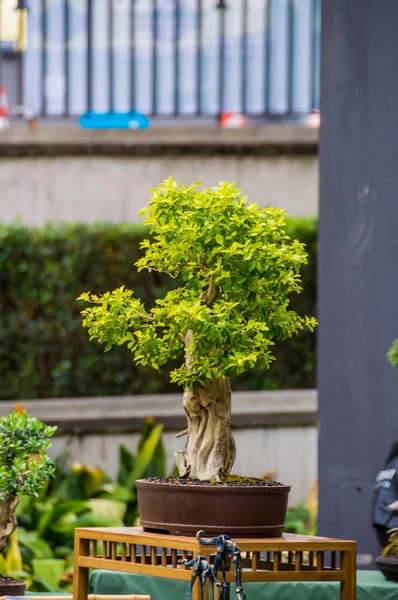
(289, 541)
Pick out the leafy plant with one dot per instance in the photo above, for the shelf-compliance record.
(24, 465)
(393, 354)
(302, 519)
(239, 269)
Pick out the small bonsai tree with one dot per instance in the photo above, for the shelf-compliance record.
(24, 465)
(239, 269)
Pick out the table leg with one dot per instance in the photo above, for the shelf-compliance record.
(80, 574)
(348, 588)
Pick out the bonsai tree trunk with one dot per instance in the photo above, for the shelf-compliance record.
(8, 520)
(210, 451)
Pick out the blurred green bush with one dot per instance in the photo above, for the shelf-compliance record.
(44, 351)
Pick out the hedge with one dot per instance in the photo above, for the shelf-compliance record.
(44, 351)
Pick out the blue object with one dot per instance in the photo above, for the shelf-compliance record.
(226, 547)
(114, 120)
(200, 568)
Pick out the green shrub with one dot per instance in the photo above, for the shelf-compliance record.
(44, 351)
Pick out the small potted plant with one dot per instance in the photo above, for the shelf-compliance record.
(239, 269)
(24, 468)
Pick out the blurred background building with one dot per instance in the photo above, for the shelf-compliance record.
(184, 64)
(188, 58)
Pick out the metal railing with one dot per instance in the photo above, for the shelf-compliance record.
(165, 57)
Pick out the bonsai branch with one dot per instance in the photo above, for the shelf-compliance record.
(182, 433)
(145, 317)
(211, 294)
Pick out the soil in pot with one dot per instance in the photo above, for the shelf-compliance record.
(238, 506)
(230, 481)
(12, 587)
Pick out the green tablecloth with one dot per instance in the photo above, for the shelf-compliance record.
(371, 586)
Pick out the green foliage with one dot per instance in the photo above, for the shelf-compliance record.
(295, 364)
(393, 354)
(41, 551)
(44, 351)
(24, 464)
(239, 269)
(301, 520)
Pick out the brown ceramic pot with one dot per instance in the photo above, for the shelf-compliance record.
(238, 511)
(12, 587)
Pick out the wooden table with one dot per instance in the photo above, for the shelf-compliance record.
(290, 558)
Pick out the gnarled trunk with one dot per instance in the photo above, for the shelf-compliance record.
(8, 520)
(210, 451)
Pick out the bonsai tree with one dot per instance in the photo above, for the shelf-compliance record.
(24, 465)
(238, 269)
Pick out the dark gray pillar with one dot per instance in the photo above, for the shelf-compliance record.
(358, 262)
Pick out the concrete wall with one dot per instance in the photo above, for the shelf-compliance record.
(72, 175)
(114, 189)
(289, 452)
(275, 432)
